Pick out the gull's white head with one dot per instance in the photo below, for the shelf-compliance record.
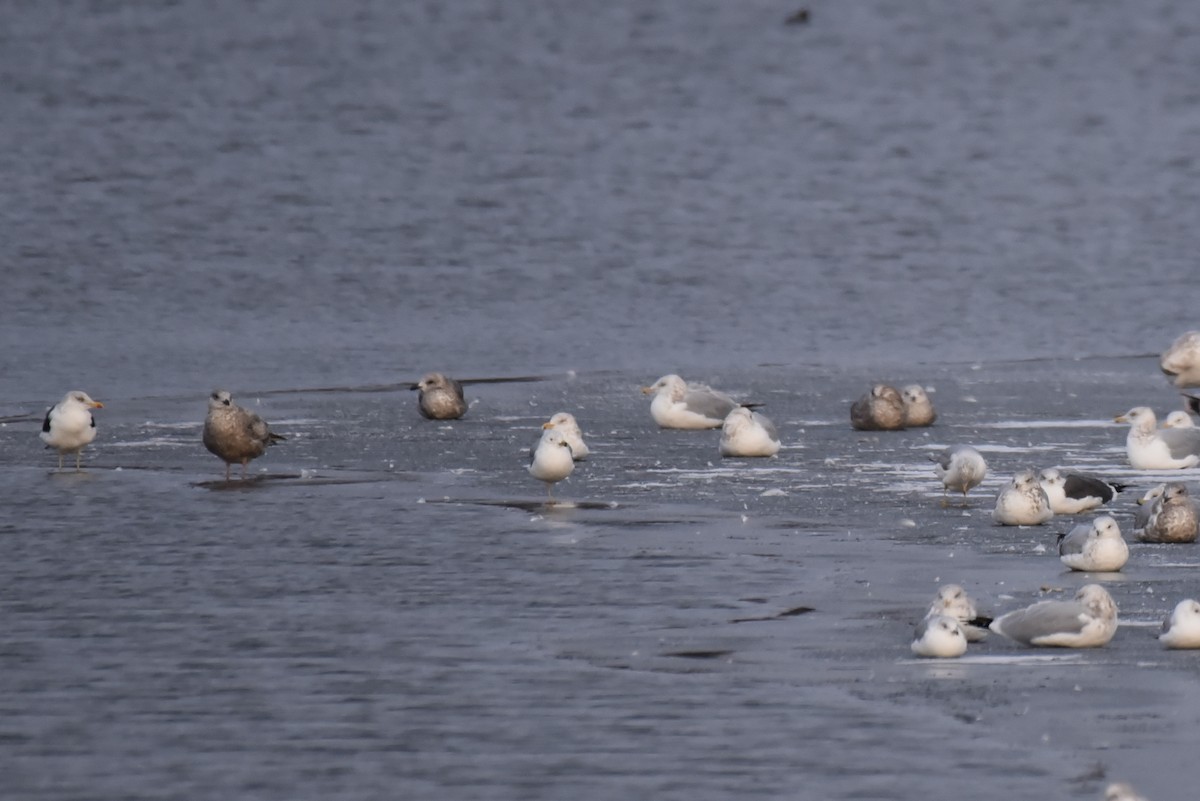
(79, 396)
(914, 393)
(1140, 417)
(563, 420)
(1178, 419)
(671, 384)
(738, 418)
(1181, 361)
(1104, 527)
(1175, 493)
(1025, 480)
(953, 600)
(220, 399)
(1052, 476)
(1097, 600)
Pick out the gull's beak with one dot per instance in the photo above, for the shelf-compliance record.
(1120, 419)
(647, 390)
(547, 425)
(96, 404)
(1141, 501)
(414, 386)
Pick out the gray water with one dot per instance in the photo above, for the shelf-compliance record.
(276, 197)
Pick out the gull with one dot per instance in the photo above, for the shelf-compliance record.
(441, 397)
(1095, 548)
(1178, 419)
(1182, 628)
(551, 460)
(881, 409)
(235, 434)
(564, 423)
(918, 409)
(1087, 621)
(1023, 502)
(939, 636)
(1122, 791)
(952, 600)
(748, 433)
(1181, 361)
(69, 426)
(1075, 493)
(1150, 448)
(960, 467)
(1172, 517)
(1146, 506)
(678, 404)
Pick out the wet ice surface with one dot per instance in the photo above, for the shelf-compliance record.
(388, 606)
(294, 194)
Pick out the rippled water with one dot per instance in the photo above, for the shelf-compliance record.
(276, 197)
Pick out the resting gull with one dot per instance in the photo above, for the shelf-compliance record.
(1178, 419)
(1023, 502)
(441, 397)
(69, 425)
(1087, 621)
(1151, 448)
(1074, 493)
(1182, 628)
(918, 409)
(564, 423)
(551, 460)
(678, 404)
(1181, 361)
(1094, 548)
(1122, 791)
(881, 409)
(1172, 517)
(960, 467)
(939, 636)
(954, 601)
(748, 433)
(235, 434)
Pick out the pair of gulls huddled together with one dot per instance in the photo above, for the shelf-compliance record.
(680, 405)
(886, 408)
(232, 433)
(1089, 620)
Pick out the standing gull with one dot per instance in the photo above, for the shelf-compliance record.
(678, 404)
(881, 409)
(1095, 548)
(1172, 517)
(1181, 361)
(441, 397)
(960, 467)
(235, 434)
(748, 433)
(1088, 621)
(1075, 493)
(564, 423)
(1023, 502)
(939, 636)
(1182, 628)
(551, 460)
(918, 409)
(69, 425)
(1151, 448)
(953, 600)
